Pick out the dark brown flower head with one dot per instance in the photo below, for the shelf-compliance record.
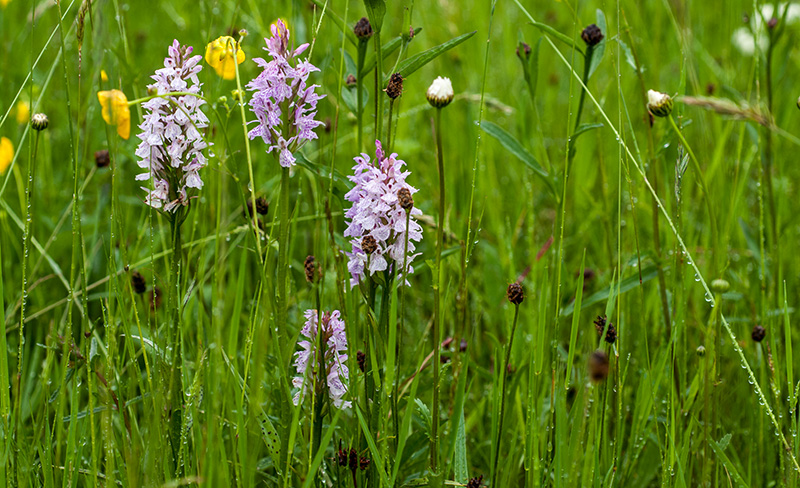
(592, 35)
(363, 463)
(758, 333)
(341, 455)
(600, 325)
(475, 482)
(369, 245)
(526, 51)
(353, 458)
(262, 206)
(328, 125)
(350, 80)
(462, 346)
(515, 293)
(598, 366)
(405, 198)
(310, 268)
(395, 87)
(138, 282)
(363, 29)
(444, 359)
(101, 158)
(361, 359)
(772, 23)
(155, 299)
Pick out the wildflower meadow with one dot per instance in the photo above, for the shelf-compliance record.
(388, 243)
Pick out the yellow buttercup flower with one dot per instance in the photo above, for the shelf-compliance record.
(116, 111)
(220, 55)
(104, 75)
(6, 154)
(3, 3)
(23, 111)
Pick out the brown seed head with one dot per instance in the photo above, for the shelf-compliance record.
(475, 482)
(353, 458)
(363, 463)
(405, 198)
(363, 29)
(138, 282)
(526, 51)
(598, 366)
(369, 245)
(758, 333)
(350, 80)
(341, 455)
(310, 267)
(361, 359)
(515, 293)
(395, 87)
(772, 23)
(600, 325)
(592, 35)
(101, 158)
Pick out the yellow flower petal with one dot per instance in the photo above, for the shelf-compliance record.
(104, 75)
(6, 154)
(3, 4)
(116, 111)
(23, 111)
(220, 56)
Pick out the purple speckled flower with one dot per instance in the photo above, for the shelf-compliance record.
(336, 372)
(284, 105)
(172, 147)
(376, 212)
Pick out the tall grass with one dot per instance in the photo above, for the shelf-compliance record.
(677, 230)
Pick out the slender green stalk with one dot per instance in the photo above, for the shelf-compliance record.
(587, 63)
(283, 252)
(437, 295)
(26, 240)
(503, 373)
(706, 196)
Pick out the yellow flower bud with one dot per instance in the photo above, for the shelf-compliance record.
(116, 111)
(104, 76)
(220, 56)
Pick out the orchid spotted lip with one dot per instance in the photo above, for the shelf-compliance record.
(171, 148)
(336, 371)
(283, 103)
(376, 211)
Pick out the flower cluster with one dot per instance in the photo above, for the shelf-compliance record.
(336, 372)
(172, 147)
(283, 102)
(377, 217)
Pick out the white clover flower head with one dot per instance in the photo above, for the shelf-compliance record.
(440, 93)
(336, 374)
(377, 212)
(659, 104)
(171, 148)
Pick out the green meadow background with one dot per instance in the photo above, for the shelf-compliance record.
(618, 214)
